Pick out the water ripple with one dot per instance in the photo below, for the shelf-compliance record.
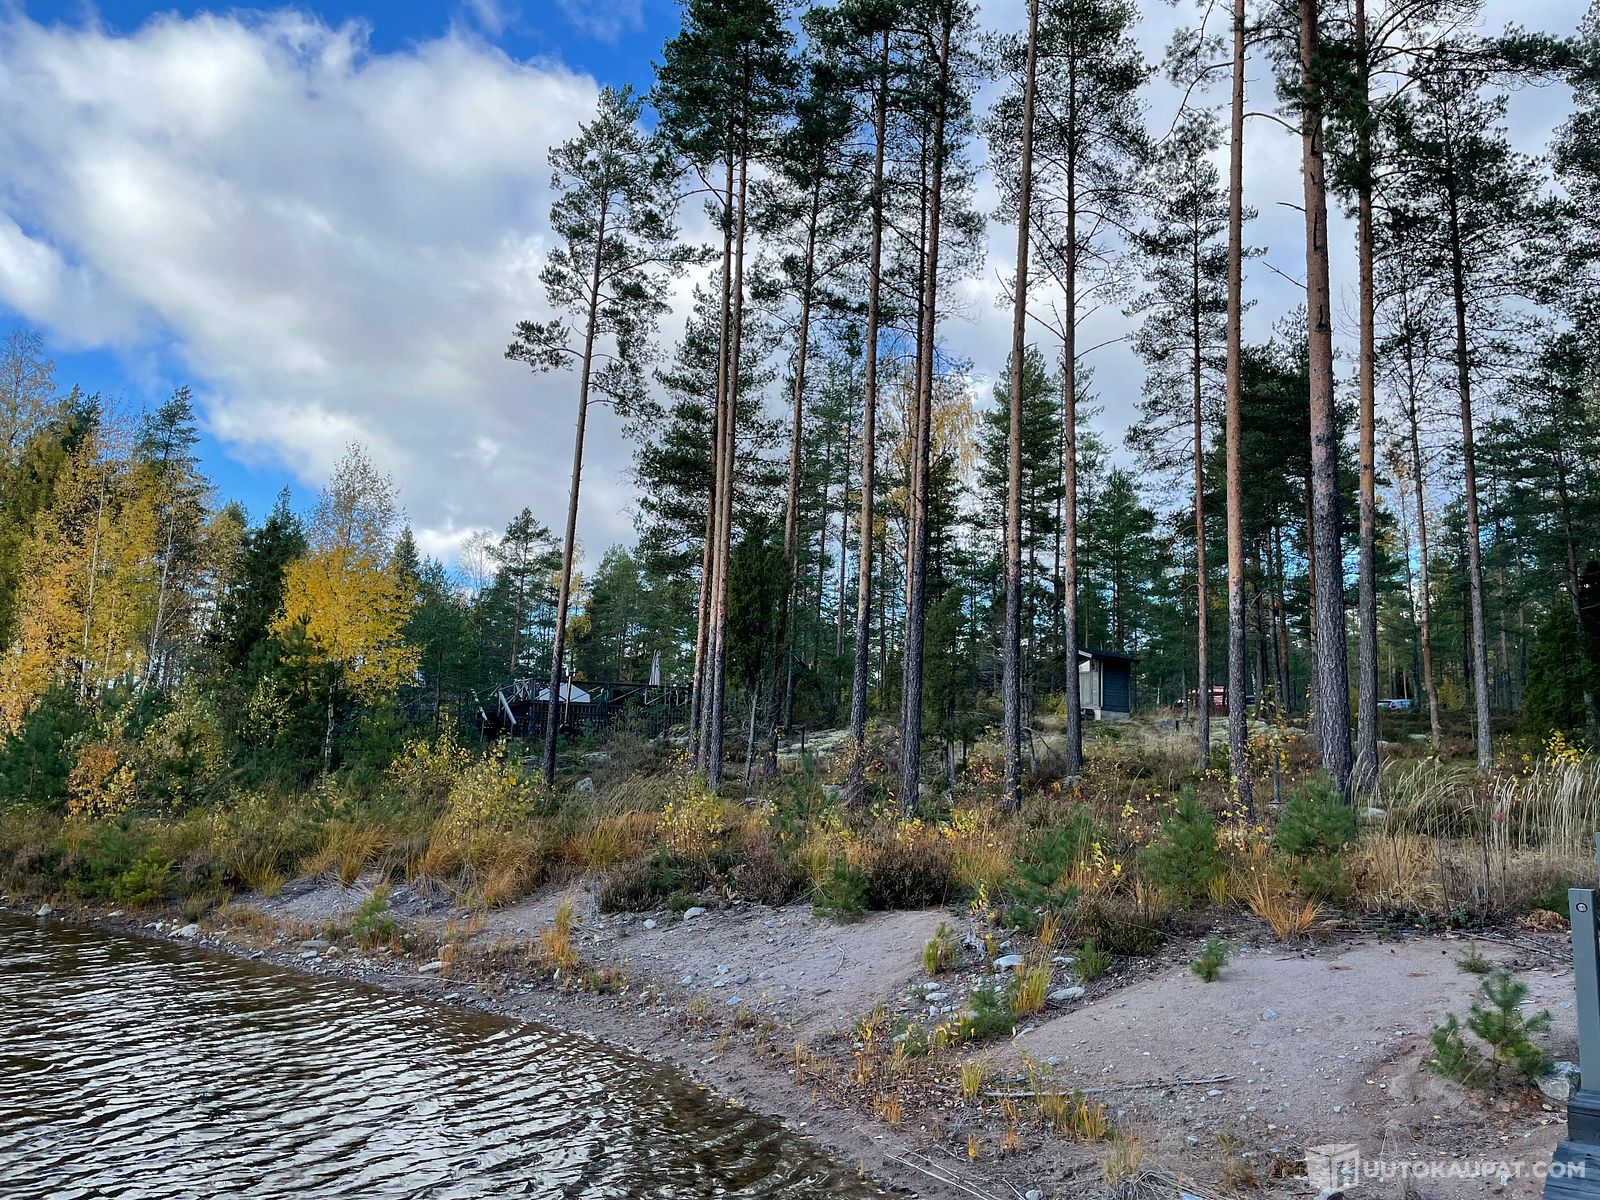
(141, 1070)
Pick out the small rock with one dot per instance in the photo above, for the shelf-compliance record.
(1009, 962)
(649, 922)
(315, 944)
(1062, 995)
(936, 997)
(433, 967)
(687, 981)
(190, 930)
(1213, 1091)
(1561, 1082)
(115, 912)
(44, 911)
(1375, 814)
(309, 954)
(733, 1001)
(722, 968)
(1269, 1014)
(1033, 1194)
(741, 980)
(690, 914)
(583, 785)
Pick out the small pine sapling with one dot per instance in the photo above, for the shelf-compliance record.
(1507, 1053)
(1212, 958)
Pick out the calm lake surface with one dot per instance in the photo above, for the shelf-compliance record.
(135, 1068)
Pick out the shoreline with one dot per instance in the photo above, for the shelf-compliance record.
(727, 1068)
(1213, 1089)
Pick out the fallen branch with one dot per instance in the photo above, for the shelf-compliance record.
(1032, 1094)
(935, 1172)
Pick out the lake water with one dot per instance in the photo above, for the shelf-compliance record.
(136, 1068)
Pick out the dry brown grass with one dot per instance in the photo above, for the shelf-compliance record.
(555, 941)
(1288, 914)
(346, 849)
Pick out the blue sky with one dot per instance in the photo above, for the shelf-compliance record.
(614, 42)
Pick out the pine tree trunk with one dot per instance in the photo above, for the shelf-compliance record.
(1072, 763)
(1469, 482)
(917, 547)
(564, 589)
(1366, 759)
(791, 512)
(1331, 670)
(719, 641)
(720, 483)
(1202, 628)
(1238, 717)
(702, 618)
(1424, 591)
(1011, 797)
(855, 784)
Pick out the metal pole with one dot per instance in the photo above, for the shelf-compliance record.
(1575, 1166)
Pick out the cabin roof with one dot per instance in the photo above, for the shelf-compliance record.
(1091, 652)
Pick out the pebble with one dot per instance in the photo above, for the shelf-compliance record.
(732, 1001)
(688, 981)
(741, 980)
(1213, 1091)
(1061, 995)
(432, 967)
(1270, 1014)
(1008, 962)
(649, 922)
(690, 914)
(188, 931)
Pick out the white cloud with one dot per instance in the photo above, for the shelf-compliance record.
(604, 20)
(337, 243)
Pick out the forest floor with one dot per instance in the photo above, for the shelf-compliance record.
(1213, 1089)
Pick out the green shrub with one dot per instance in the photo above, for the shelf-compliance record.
(988, 1018)
(1504, 1049)
(1118, 925)
(145, 882)
(767, 877)
(1186, 859)
(907, 873)
(372, 925)
(1090, 962)
(105, 858)
(1314, 828)
(1212, 958)
(842, 892)
(1473, 962)
(646, 883)
(1042, 870)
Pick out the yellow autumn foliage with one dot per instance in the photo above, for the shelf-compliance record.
(354, 609)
